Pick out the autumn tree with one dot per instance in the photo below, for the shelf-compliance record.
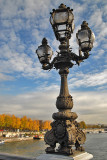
(11, 122)
(36, 125)
(8, 122)
(93, 126)
(82, 125)
(46, 125)
(2, 121)
(30, 124)
(24, 123)
(40, 125)
(18, 123)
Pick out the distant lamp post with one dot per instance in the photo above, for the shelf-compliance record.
(65, 129)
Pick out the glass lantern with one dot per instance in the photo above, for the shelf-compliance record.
(85, 37)
(44, 52)
(62, 21)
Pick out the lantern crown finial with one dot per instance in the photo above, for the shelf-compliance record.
(44, 41)
(84, 25)
(62, 5)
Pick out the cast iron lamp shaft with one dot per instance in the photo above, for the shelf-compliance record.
(64, 84)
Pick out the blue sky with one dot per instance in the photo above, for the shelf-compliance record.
(26, 89)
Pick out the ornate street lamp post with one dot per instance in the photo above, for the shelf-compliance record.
(65, 129)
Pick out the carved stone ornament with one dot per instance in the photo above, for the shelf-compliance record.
(65, 115)
(50, 138)
(59, 128)
(80, 136)
(66, 133)
(64, 102)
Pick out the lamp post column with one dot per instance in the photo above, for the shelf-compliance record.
(65, 129)
(64, 100)
(64, 84)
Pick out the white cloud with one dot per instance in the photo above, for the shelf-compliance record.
(87, 105)
(13, 62)
(99, 24)
(73, 42)
(4, 77)
(28, 16)
(91, 106)
(23, 25)
(16, 16)
(89, 80)
(100, 53)
(26, 8)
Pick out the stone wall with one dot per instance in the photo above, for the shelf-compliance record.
(6, 156)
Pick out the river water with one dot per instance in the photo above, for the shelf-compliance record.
(96, 144)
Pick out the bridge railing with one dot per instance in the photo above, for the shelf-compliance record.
(6, 156)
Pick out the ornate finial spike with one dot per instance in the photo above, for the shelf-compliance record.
(44, 41)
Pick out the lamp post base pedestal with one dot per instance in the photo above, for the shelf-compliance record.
(76, 156)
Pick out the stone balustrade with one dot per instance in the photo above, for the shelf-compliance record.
(6, 156)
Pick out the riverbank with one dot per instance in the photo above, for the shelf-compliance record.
(24, 136)
(6, 156)
(6, 140)
(96, 144)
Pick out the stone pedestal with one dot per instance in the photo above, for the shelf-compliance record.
(81, 156)
(65, 129)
